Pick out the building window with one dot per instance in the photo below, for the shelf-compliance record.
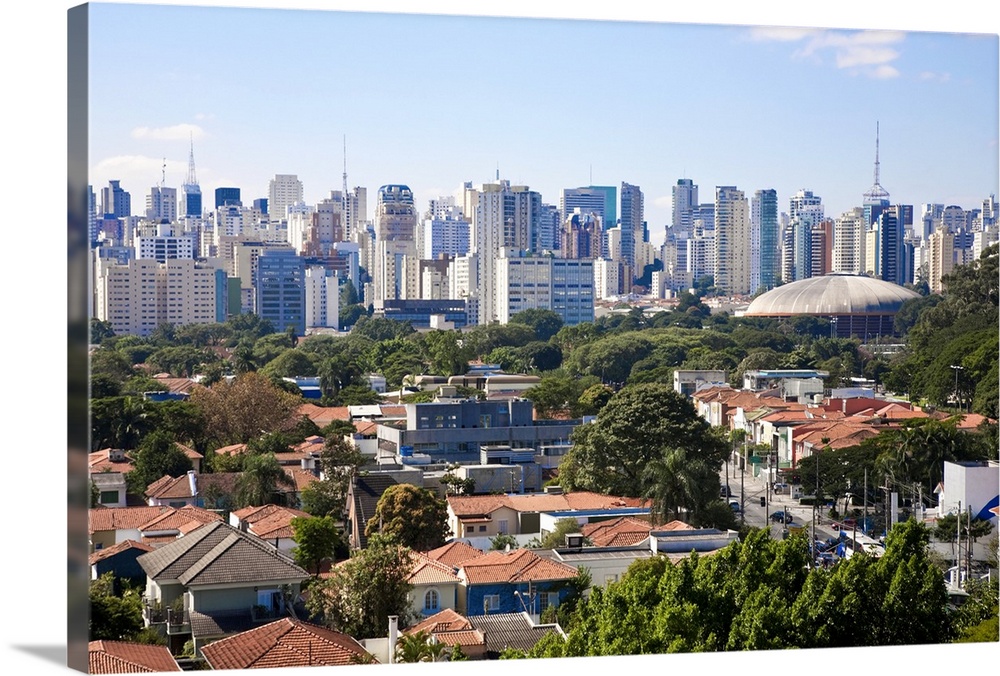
(482, 529)
(109, 497)
(431, 601)
(491, 603)
(546, 599)
(502, 525)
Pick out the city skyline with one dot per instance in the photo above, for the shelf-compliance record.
(757, 108)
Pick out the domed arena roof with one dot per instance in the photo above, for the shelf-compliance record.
(833, 294)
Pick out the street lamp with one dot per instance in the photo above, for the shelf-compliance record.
(958, 400)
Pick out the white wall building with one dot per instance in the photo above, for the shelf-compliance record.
(565, 286)
(322, 298)
(284, 190)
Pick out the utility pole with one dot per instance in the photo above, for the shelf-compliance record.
(958, 544)
(864, 527)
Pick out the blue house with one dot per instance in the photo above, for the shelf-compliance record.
(120, 560)
(512, 582)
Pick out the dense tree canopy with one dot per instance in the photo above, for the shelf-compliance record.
(413, 515)
(640, 426)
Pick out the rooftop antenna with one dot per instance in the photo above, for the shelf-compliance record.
(163, 173)
(191, 178)
(345, 166)
(877, 193)
(498, 172)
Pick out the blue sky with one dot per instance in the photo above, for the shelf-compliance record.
(433, 101)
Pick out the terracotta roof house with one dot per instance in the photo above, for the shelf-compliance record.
(322, 415)
(285, 643)
(436, 586)
(212, 491)
(120, 657)
(509, 582)
(452, 629)
(108, 526)
(273, 524)
(111, 488)
(362, 498)
(511, 630)
(109, 460)
(489, 515)
(622, 532)
(228, 581)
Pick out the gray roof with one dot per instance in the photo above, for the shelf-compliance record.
(510, 630)
(217, 553)
(220, 623)
(366, 492)
(834, 294)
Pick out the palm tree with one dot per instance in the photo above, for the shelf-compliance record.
(420, 646)
(260, 480)
(671, 484)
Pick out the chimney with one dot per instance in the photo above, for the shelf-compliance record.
(193, 482)
(393, 637)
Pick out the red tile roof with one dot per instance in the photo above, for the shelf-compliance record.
(284, 643)
(119, 657)
(122, 518)
(425, 570)
(520, 565)
(322, 415)
(454, 553)
(122, 546)
(620, 532)
(277, 524)
(467, 507)
(446, 620)
(100, 461)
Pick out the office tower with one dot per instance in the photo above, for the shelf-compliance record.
(732, 241)
(164, 244)
(322, 297)
(632, 223)
(225, 196)
(930, 215)
(590, 199)
(904, 214)
(876, 200)
(355, 213)
(849, 242)
(260, 206)
(887, 260)
(764, 217)
(115, 201)
(523, 282)
(161, 204)
(190, 190)
(91, 215)
(503, 216)
(805, 212)
(447, 231)
(279, 289)
(685, 201)
(284, 190)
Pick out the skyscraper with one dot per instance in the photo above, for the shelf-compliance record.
(685, 201)
(764, 217)
(279, 289)
(590, 199)
(633, 225)
(284, 191)
(732, 241)
(225, 196)
(396, 271)
(877, 197)
(190, 190)
(115, 201)
(161, 204)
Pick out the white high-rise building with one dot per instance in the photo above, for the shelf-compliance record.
(322, 292)
(732, 241)
(685, 202)
(137, 297)
(849, 242)
(284, 190)
(161, 204)
(503, 216)
(463, 284)
(446, 232)
(940, 258)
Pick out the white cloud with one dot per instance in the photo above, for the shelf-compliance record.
(137, 172)
(866, 52)
(665, 202)
(178, 132)
(928, 75)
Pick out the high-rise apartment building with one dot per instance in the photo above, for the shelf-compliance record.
(732, 241)
(115, 201)
(322, 297)
(526, 282)
(503, 216)
(582, 236)
(284, 190)
(685, 201)
(447, 231)
(395, 273)
(161, 204)
(849, 242)
(940, 258)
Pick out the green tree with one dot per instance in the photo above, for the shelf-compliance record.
(260, 481)
(557, 536)
(362, 592)
(115, 614)
(323, 498)
(545, 323)
(413, 515)
(316, 540)
(502, 541)
(637, 426)
(156, 457)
